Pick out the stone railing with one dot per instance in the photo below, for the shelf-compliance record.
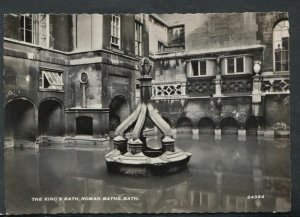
(175, 89)
(236, 84)
(276, 85)
(202, 86)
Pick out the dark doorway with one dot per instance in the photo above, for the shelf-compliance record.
(251, 126)
(51, 118)
(84, 125)
(118, 111)
(20, 120)
(184, 125)
(206, 126)
(229, 126)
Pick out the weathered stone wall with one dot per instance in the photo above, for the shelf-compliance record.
(238, 108)
(21, 62)
(266, 23)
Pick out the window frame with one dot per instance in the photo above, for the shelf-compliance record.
(191, 74)
(41, 80)
(235, 65)
(118, 27)
(24, 29)
(138, 41)
(274, 48)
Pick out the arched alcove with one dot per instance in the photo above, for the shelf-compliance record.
(118, 111)
(51, 118)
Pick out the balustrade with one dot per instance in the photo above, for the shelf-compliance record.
(276, 85)
(169, 89)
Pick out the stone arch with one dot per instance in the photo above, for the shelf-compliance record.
(119, 110)
(184, 125)
(84, 125)
(20, 119)
(51, 117)
(229, 125)
(206, 126)
(251, 126)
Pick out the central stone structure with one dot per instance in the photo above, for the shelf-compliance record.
(132, 156)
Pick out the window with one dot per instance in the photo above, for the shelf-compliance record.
(138, 38)
(235, 65)
(198, 68)
(26, 27)
(51, 80)
(281, 46)
(160, 47)
(176, 35)
(30, 28)
(115, 40)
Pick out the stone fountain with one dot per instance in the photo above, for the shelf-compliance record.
(131, 155)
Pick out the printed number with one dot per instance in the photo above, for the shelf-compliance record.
(256, 196)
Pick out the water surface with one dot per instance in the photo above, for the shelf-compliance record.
(227, 175)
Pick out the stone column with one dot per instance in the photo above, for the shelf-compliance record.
(218, 89)
(135, 146)
(195, 133)
(84, 96)
(120, 143)
(168, 144)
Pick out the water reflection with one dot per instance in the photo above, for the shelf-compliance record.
(222, 177)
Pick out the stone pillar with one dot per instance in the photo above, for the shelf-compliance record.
(218, 134)
(135, 146)
(256, 96)
(241, 134)
(168, 144)
(174, 132)
(84, 104)
(120, 143)
(218, 89)
(195, 133)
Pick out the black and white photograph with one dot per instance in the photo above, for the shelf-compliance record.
(146, 113)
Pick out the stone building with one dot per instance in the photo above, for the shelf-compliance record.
(222, 73)
(68, 75)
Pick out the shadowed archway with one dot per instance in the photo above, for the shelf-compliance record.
(20, 120)
(51, 118)
(229, 126)
(206, 126)
(184, 125)
(118, 111)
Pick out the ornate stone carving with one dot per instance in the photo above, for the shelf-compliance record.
(236, 85)
(168, 89)
(203, 87)
(276, 85)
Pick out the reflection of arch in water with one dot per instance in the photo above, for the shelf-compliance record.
(184, 125)
(118, 111)
(251, 126)
(84, 125)
(206, 125)
(20, 119)
(51, 117)
(229, 125)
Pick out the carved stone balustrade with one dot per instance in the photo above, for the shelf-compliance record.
(276, 85)
(232, 84)
(168, 89)
(201, 86)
